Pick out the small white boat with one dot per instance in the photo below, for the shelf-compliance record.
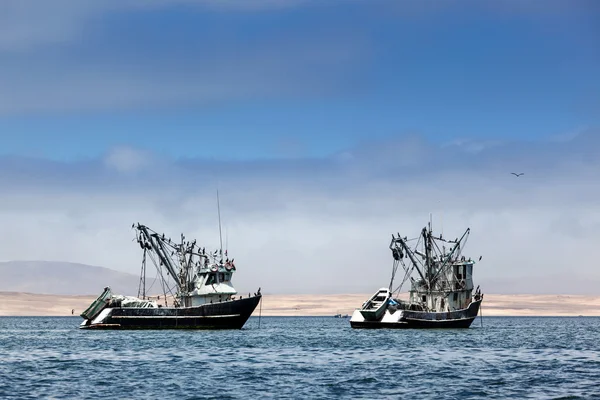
(373, 309)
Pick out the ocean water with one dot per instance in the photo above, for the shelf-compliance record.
(302, 357)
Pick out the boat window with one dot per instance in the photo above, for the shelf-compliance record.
(424, 299)
(211, 280)
(455, 296)
(221, 277)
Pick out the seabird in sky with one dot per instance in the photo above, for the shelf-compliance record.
(517, 175)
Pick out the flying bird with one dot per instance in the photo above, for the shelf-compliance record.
(518, 175)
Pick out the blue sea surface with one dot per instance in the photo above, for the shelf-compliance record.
(302, 357)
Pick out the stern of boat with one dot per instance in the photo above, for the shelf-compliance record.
(391, 318)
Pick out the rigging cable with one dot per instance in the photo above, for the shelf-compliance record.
(260, 312)
(163, 281)
(406, 276)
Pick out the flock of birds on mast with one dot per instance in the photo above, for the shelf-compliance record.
(188, 247)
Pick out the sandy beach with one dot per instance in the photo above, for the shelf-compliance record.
(28, 304)
(493, 305)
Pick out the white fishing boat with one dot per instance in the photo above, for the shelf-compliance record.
(441, 286)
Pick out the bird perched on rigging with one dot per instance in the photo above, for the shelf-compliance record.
(518, 175)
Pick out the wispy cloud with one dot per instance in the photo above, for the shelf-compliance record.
(73, 56)
(301, 225)
(68, 62)
(321, 225)
(127, 160)
(28, 24)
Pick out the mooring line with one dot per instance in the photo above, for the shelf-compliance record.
(259, 312)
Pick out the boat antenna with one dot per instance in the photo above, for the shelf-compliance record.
(219, 212)
(430, 223)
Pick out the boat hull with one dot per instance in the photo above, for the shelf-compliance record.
(406, 319)
(231, 314)
(373, 315)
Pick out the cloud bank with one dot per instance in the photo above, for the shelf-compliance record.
(83, 56)
(323, 225)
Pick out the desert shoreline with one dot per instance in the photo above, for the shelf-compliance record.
(31, 304)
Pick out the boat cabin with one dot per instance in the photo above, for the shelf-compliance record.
(212, 284)
(452, 289)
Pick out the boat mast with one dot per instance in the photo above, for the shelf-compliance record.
(455, 248)
(426, 242)
(395, 265)
(142, 284)
(183, 271)
(428, 264)
(220, 235)
(159, 249)
(144, 288)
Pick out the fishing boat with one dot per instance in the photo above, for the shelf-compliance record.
(340, 316)
(197, 291)
(441, 291)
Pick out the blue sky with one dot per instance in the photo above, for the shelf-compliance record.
(326, 126)
(304, 79)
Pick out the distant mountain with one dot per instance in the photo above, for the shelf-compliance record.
(63, 278)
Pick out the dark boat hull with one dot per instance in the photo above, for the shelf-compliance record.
(231, 314)
(426, 320)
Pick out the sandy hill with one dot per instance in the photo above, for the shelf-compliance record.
(63, 278)
(28, 304)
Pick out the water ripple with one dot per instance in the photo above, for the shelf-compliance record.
(310, 357)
